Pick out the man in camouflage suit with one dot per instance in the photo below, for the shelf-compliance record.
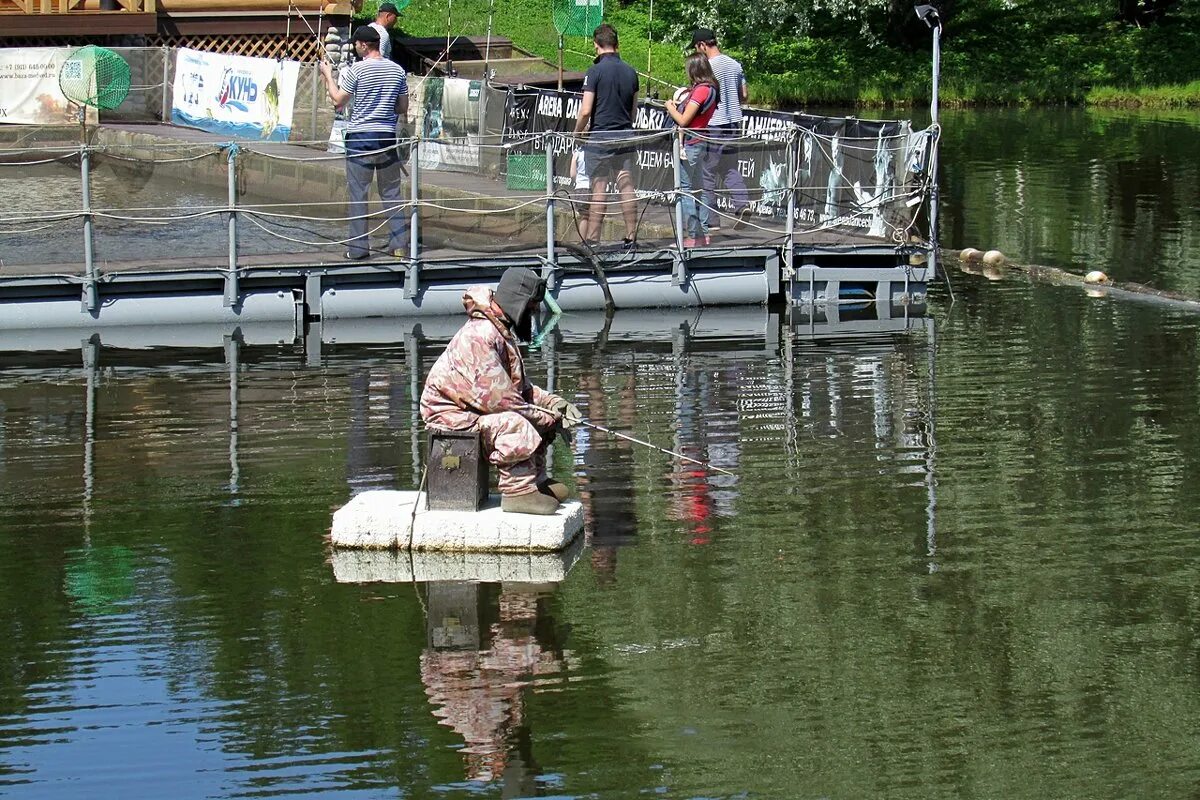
(479, 383)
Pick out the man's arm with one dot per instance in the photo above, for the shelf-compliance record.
(402, 107)
(744, 89)
(335, 92)
(585, 112)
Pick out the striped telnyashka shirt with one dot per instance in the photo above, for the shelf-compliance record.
(730, 78)
(375, 85)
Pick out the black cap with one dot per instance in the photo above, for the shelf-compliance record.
(703, 35)
(389, 8)
(519, 286)
(365, 34)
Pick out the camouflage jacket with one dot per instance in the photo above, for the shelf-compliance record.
(481, 372)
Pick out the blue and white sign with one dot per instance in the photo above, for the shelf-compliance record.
(251, 98)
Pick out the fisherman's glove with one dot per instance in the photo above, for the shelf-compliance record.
(569, 415)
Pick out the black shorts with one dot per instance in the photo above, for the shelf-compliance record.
(606, 154)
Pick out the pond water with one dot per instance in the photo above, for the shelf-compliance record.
(956, 560)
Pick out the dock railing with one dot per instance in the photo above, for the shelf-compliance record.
(180, 199)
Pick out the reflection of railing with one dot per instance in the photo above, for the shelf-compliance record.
(784, 213)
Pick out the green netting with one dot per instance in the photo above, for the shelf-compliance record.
(525, 172)
(95, 76)
(577, 17)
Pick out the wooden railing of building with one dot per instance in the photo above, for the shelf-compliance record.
(69, 6)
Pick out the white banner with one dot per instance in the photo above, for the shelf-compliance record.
(29, 92)
(234, 95)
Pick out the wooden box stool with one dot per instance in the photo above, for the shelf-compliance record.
(458, 471)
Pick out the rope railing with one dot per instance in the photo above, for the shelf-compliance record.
(892, 205)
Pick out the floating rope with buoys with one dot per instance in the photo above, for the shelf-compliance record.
(993, 265)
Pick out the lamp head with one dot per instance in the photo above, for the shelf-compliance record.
(929, 15)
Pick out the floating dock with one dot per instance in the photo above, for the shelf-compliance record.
(268, 251)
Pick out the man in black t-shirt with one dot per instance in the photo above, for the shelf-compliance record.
(609, 107)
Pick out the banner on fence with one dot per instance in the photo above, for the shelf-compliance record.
(29, 91)
(851, 175)
(240, 96)
(446, 114)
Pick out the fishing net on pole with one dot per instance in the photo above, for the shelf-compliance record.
(577, 17)
(95, 77)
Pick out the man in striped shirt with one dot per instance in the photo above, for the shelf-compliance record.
(378, 92)
(721, 161)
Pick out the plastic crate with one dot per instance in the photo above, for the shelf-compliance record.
(526, 171)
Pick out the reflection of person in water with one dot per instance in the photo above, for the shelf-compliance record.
(477, 683)
(706, 434)
(605, 486)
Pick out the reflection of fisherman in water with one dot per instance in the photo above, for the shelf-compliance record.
(484, 651)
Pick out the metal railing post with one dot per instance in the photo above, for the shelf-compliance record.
(675, 142)
(90, 299)
(548, 268)
(232, 291)
(166, 103)
(412, 273)
(793, 159)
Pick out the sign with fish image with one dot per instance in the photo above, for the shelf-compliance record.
(251, 98)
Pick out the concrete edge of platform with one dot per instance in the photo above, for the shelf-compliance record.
(381, 520)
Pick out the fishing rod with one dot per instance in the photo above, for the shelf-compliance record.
(588, 424)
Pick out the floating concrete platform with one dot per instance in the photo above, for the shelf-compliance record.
(381, 520)
(391, 566)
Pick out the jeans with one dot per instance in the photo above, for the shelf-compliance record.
(720, 165)
(387, 169)
(690, 178)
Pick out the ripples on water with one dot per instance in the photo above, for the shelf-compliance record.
(952, 562)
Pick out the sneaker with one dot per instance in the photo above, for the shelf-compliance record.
(353, 255)
(689, 243)
(629, 244)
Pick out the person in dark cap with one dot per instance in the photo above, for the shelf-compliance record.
(376, 91)
(385, 18)
(721, 162)
(479, 383)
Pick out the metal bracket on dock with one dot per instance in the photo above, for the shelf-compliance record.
(679, 273)
(412, 280)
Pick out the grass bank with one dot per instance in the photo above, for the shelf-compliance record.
(983, 65)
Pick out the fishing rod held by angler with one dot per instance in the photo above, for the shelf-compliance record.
(628, 438)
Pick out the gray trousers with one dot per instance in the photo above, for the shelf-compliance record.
(387, 169)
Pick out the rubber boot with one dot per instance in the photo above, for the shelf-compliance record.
(554, 489)
(530, 503)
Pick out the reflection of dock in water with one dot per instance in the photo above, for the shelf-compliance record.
(705, 382)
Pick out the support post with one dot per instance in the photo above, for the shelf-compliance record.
(90, 299)
(312, 128)
(166, 84)
(933, 158)
(793, 158)
(679, 277)
(232, 291)
(412, 273)
(560, 62)
(548, 268)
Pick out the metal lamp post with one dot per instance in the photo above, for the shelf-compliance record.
(929, 15)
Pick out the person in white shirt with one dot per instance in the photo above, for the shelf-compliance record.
(385, 18)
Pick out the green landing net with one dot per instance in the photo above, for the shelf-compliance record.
(96, 77)
(577, 17)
